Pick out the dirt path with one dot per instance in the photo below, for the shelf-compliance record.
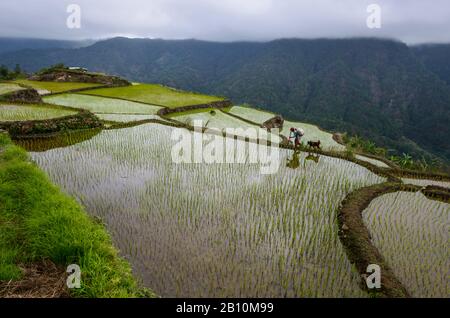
(40, 280)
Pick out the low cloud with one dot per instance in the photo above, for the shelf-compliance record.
(413, 21)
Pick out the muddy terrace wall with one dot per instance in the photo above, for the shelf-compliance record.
(82, 120)
(218, 105)
(27, 95)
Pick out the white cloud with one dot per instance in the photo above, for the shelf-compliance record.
(226, 20)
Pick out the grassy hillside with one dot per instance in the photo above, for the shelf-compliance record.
(39, 222)
(154, 94)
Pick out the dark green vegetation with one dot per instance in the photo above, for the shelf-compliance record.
(377, 89)
(7, 74)
(436, 57)
(38, 222)
(405, 161)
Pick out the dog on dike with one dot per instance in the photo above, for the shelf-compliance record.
(314, 144)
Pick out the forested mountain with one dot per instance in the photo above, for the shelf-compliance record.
(379, 89)
(436, 58)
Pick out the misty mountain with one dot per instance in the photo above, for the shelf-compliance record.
(16, 44)
(379, 89)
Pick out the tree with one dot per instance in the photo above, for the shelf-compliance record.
(17, 69)
(4, 72)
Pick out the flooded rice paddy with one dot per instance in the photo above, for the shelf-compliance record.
(213, 230)
(424, 183)
(412, 234)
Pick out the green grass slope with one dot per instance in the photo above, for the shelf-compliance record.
(38, 221)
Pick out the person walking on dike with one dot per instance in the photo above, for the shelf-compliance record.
(296, 134)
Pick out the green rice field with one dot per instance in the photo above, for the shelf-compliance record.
(412, 234)
(236, 233)
(9, 112)
(55, 87)
(97, 104)
(154, 94)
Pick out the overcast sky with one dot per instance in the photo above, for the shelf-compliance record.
(411, 21)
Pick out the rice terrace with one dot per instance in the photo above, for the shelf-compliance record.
(88, 177)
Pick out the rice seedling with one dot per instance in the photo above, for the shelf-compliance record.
(9, 112)
(424, 182)
(375, 162)
(55, 87)
(154, 94)
(9, 88)
(412, 234)
(213, 230)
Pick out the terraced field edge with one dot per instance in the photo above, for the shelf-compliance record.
(356, 238)
(40, 224)
(82, 120)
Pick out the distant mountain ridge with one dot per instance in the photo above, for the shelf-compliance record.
(380, 89)
(16, 44)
